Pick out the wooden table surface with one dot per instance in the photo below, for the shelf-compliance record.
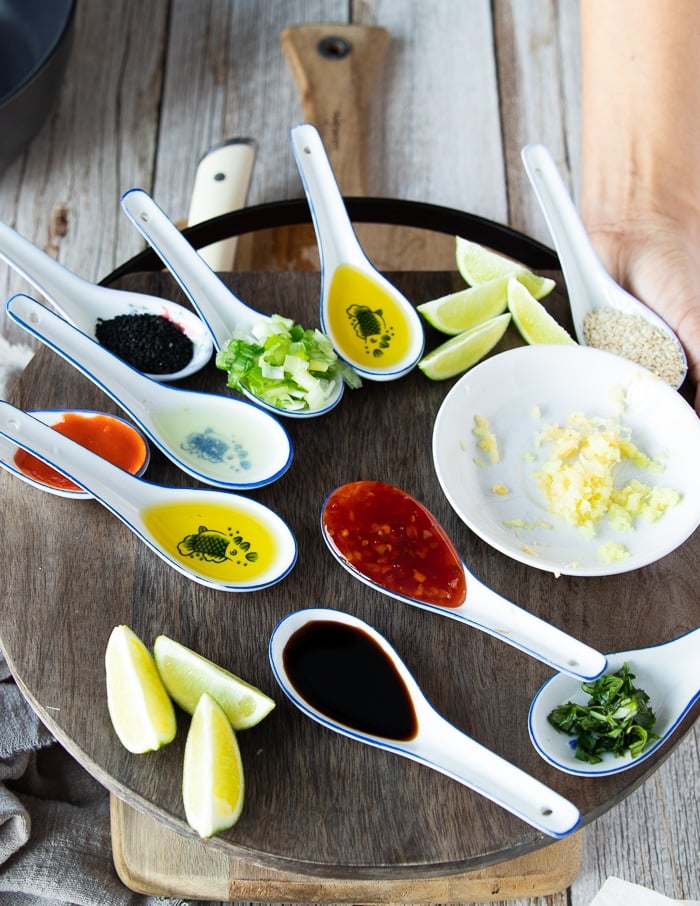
(151, 86)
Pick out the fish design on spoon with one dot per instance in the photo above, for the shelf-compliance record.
(390, 541)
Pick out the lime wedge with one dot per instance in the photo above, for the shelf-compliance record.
(213, 787)
(463, 310)
(142, 715)
(478, 265)
(461, 352)
(187, 675)
(532, 319)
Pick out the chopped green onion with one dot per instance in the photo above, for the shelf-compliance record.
(285, 365)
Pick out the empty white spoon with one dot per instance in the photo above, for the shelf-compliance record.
(217, 439)
(588, 284)
(372, 325)
(216, 538)
(390, 541)
(670, 675)
(84, 304)
(224, 314)
(325, 661)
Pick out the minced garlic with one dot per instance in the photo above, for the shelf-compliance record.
(577, 477)
(486, 439)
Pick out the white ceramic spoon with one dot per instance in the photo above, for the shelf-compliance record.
(376, 504)
(372, 325)
(224, 314)
(216, 439)
(670, 675)
(433, 741)
(588, 284)
(83, 303)
(171, 521)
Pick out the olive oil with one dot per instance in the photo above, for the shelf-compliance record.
(367, 325)
(220, 542)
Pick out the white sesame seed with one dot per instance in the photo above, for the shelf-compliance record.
(634, 338)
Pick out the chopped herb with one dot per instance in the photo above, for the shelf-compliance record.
(617, 718)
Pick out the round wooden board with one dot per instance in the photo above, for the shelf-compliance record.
(316, 802)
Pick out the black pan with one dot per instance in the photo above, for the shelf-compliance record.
(35, 43)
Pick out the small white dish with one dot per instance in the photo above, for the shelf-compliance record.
(52, 417)
(518, 392)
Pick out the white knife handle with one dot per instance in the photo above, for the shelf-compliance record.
(221, 185)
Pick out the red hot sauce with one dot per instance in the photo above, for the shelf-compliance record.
(109, 437)
(390, 538)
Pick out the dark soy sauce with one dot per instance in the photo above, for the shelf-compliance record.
(342, 672)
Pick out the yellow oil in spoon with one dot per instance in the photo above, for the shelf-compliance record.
(221, 542)
(369, 328)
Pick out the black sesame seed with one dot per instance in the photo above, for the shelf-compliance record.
(151, 343)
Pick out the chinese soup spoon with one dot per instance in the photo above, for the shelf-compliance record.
(390, 541)
(317, 656)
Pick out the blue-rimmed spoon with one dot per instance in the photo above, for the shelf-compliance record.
(222, 311)
(391, 542)
(219, 539)
(372, 325)
(669, 674)
(588, 284)
(219, 440)
(84, 304)
(317, 657)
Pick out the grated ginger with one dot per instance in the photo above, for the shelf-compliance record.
(486, 439)
(577, 478)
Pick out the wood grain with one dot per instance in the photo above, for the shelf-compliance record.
(306, 781)
(155, 860)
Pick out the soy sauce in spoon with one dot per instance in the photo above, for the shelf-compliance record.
(389, 540)
(342, 673)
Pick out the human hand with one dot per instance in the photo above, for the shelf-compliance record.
(656, 260)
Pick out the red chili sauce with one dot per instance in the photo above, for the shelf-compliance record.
(395, 542)
(109, 437)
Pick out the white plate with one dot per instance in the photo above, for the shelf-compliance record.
(521, 390)
(51, 417)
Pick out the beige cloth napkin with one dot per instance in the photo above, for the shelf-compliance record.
(616, 892)
(55, 842)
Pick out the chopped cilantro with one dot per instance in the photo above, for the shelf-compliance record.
(617, 718)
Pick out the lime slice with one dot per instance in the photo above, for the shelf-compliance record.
(461, 352)
(213, 787)
(478, 265)
(463, 310)
(141, 712)
(187, 675)
(532, 319)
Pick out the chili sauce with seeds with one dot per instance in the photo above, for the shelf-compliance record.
(108, 437)
(345, 674)
(395, 542)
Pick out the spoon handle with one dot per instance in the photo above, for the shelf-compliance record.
(336, 237)
(99, 477)
(217, 306)
(499, 617)
(446, 749)
(126, 386)
(56, 282)
(579, 262)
